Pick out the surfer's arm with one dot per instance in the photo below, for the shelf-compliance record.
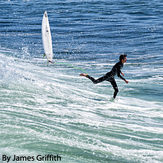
(119, 73)
(122, 73)
(121, 77)
(124, 79)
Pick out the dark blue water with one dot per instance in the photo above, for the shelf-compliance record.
(52, 110)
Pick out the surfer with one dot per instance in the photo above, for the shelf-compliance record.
(116, 70)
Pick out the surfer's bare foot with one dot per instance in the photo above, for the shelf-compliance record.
(83, 74)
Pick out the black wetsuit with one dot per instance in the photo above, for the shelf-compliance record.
(116, 70)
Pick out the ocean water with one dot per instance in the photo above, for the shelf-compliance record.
(50, 110)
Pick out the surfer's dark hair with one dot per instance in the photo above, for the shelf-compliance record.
(122, 57)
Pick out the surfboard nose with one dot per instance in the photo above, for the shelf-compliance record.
(46, 14)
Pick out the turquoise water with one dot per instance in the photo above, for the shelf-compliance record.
(51, 110)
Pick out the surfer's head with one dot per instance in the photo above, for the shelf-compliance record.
(123, 58)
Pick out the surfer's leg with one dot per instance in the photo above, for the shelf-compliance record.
(95, 81)
(114, 84)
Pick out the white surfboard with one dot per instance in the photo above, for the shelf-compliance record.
(46, 38)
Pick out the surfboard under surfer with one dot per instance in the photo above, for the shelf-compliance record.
(110, 76)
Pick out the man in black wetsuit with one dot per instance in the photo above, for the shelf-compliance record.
(116, 70)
